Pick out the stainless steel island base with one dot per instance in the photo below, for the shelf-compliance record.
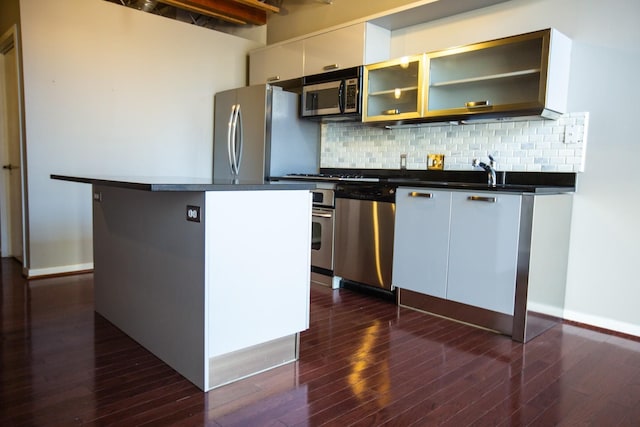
(239, 364)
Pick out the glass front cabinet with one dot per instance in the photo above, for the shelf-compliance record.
(393, 90)
(523, 75)
(519, 74)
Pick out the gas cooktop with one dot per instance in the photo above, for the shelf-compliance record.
(331, 177)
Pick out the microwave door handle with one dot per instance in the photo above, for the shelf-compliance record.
(231, 134)
(341, 97)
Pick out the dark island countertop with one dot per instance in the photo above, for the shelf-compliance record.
(146, 183)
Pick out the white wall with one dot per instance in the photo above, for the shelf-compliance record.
(110, 90)
(603, 286)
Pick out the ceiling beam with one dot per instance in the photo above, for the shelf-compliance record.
(238, 12)
(259, 5)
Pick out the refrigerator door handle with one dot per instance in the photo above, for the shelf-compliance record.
(231, 136)
(239, 140)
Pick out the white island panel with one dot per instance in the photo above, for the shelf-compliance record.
(257, 267)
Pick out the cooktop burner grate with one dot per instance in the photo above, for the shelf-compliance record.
(332, 177)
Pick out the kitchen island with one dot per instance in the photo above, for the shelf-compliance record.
(211, 277)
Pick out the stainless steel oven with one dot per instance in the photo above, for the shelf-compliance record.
(322, 229)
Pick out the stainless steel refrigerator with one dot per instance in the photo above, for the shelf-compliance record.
(258, 134)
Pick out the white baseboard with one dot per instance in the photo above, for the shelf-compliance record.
(587, 319)
(545, 309)
(34, 273)
(603, 322)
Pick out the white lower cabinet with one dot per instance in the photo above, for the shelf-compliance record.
(421, 240)
(483, 250)
(459, 246)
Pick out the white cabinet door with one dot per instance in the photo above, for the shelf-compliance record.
(422, 240)
(346, 47)
(276, 63)
(334, 50)
(483, 249)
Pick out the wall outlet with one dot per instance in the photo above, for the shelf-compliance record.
(193, 213)
(435, 161)
(403, 161)
(572, 134)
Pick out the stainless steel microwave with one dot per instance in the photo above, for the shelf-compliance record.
(333, 96)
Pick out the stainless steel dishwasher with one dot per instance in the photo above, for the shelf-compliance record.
(364, 227)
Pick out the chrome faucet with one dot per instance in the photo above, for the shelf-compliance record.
(489, 168)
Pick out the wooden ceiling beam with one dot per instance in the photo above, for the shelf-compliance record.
(259, 5)
(235, 11)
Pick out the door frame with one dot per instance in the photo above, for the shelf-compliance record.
(10, 40)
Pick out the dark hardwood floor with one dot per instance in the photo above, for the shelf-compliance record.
(363, 362)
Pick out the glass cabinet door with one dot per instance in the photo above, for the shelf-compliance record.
(500, 75)
(393, 89)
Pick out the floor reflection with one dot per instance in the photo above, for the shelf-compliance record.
(366, 354)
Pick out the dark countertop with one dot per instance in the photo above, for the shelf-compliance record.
(145, 183)
(474, 186)
(513, 182)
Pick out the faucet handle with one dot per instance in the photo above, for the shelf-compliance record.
(475, 162)
(492, 161)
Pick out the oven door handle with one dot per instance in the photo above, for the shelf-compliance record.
(321, 215)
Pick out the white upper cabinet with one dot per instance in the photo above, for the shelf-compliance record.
(345, 47)
(276, 63)
(526, 74)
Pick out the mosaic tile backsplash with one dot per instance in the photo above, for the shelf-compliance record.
(524, 146)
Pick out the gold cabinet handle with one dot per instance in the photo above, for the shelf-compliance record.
(391, 112)
(273, 79)
(482, 199)
(477, 104)
(417, 194)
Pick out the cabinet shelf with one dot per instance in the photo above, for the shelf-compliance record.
(501, 76)
(392, 91)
